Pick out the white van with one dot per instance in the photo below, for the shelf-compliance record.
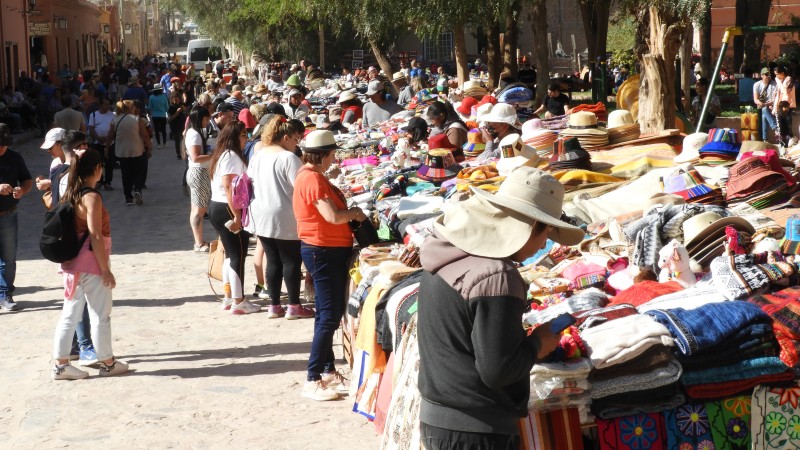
(199, 51)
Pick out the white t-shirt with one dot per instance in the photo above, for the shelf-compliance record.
(193, 138)
(273, 175)
(228, 164)
(101, 122)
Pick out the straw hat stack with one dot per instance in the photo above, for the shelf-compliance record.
(621, 127)
(583, 125)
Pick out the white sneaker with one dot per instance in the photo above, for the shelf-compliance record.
(116, 368)
(68, 372)
(319, 391)
(334, 380)
(226, 303)
(244, 308)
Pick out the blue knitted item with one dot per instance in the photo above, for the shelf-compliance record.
(742, 370)
(708, 325)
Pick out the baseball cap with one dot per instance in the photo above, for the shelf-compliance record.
(224, 107)
(374, 87)
(53, 136)
(765, 71)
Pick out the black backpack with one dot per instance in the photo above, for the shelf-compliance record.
(59, 240)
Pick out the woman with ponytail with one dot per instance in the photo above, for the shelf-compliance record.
(87, 277)
(273, 170)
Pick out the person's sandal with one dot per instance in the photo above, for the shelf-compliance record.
(202, 248)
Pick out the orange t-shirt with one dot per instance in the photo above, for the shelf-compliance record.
(312, 228)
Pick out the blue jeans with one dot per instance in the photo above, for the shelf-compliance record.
(8, 253)
(83, 333)
(328, 269)
(767, 119)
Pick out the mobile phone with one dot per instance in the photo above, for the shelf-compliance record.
(561, 323)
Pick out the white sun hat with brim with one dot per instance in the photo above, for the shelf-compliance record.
(498, 225)
(346, 96)
(691, 148)
(502, 113)
(319, 141)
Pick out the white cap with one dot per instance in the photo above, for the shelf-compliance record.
(53, 136)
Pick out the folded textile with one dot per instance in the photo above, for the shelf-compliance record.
(700, 328)
(776, 416)
(418, 204)
(623, 339)
(784, 308)
(632, 432)
(739, 276)
(574, 368)
(691, 298)
(648, 402)
(655, 356)
(728, 388)
(720, 424)
(755, 348)
(655, 378)
(545, 430)
(645, 291)
(587, 299)
(594, 317)
(750, 368)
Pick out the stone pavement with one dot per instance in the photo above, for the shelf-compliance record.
(201, 378)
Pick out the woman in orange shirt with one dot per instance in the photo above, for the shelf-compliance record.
(326, 247)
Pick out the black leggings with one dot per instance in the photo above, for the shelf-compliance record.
(283, 264)
(160, 126)
(235, 244)
(134, 174)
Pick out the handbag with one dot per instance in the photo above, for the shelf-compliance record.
(364, 232)
(216, 258)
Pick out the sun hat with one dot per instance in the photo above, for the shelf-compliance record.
(465, 108)
(346, 96)
(53, 136)
(260, 89)
(568, 154)
(502, 113)
(482, 111)
(691, 147)
(247, 118)
(749, 147)
(514, 153)
(292, 93)
(294, 67)
(319, 141)
(583, 123)
(415, 123)
(488, 98)
(723, 145)
(750, 175)
(530, 126)
(294, 81)
(157, 86)
(527, 195)
(374, 87)
(248, 90)
(791, 240)
(709, 224)
(397, 76)
(439, 166)
(618, 118)
(474, 145)
(473, 88)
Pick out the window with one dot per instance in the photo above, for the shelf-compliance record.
(439, 49)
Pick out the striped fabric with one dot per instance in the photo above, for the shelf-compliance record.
(199, 186)
(559, 429)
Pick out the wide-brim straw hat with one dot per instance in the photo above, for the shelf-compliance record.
(583, 123)
(497, 225)
(260, 89)
(619, 118)
(692, 144)
(346, 96)
(501, 113)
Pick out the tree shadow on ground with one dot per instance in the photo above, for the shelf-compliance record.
(256, 351)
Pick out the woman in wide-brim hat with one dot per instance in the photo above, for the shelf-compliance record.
(471, 297)
(326, 247)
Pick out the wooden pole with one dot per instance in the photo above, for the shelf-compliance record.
(321, 47)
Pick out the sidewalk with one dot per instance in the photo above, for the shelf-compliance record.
(201, 378)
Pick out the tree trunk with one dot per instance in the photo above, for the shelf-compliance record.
(494, 58)
(595, 15)
(742, 9)
(706, 61)
(510, 40)
(657, 87)
(686, 71)
(460, 49)
(758, 15)
(383, 62)
(541, 54)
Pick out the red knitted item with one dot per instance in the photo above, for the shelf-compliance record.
(731, 388)
(643, 292)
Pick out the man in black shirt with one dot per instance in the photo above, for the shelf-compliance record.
(15, 181)
(555, 104)
(123, 76)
